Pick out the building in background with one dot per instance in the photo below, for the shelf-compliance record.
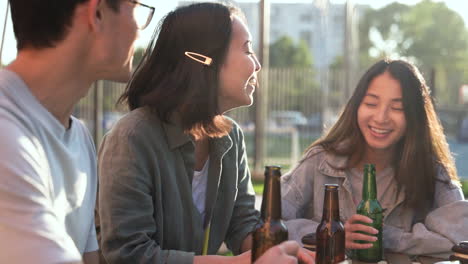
(320, 24)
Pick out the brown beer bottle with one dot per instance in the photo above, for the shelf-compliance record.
(271, 230)
(330, 232)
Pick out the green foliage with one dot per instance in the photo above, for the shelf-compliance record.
(429, 33)
(385, 21)
(430, 42)
(284, 53)
(337, 63)
(465, 188)
(292, 83)
(258, 186)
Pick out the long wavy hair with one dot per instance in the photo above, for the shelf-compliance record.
(168, 81)
(420, 153)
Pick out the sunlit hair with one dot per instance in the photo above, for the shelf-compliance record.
(168, 81)
(422, 151)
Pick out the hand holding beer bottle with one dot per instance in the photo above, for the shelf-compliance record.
(364, 230)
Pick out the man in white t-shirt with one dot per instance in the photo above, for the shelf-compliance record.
(48, 177)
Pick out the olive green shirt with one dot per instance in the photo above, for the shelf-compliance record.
(146, 209)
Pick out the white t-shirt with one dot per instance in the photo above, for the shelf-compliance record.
(199, 183)
(48, 181)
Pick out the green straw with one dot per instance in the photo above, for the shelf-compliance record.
(206, 239)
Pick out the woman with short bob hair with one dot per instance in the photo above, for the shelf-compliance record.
(174, 177)
(169, 81)
(389, 121)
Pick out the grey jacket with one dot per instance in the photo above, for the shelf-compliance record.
(303, 194)
(146, 210)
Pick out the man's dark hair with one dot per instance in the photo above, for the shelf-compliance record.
(43, 23)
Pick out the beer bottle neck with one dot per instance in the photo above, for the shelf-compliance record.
(271, 203)
(331, 207)
(369, 186)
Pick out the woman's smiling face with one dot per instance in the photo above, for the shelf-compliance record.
(381, 116)
(238, 75)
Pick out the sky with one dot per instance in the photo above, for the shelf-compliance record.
(164, 6)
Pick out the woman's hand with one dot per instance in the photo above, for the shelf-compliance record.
(351, 228)
(288, 252)
(305, 256)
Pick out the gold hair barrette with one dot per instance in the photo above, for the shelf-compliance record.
(199, 58)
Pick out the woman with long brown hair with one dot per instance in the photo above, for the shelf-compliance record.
(389, 121)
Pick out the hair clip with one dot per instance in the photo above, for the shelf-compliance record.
(199, 57)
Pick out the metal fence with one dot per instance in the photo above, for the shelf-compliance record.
(300, 105)
(99, 110)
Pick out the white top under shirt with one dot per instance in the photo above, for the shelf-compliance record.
(199, 182)
(48, 181)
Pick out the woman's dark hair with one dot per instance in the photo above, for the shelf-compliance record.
(43, 23)
(420, 153)
(168, 81)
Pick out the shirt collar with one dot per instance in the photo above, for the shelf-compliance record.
(177, 137)
(174, 132)
(334, 165)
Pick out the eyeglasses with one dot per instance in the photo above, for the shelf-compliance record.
(142, 13)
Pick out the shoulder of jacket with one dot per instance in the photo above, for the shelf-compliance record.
(137, 122)
(316, 152)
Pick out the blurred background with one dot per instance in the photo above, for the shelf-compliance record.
(313, 53)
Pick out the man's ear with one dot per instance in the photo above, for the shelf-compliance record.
(95, 14)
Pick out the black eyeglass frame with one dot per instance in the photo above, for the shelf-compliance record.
(150, 16)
